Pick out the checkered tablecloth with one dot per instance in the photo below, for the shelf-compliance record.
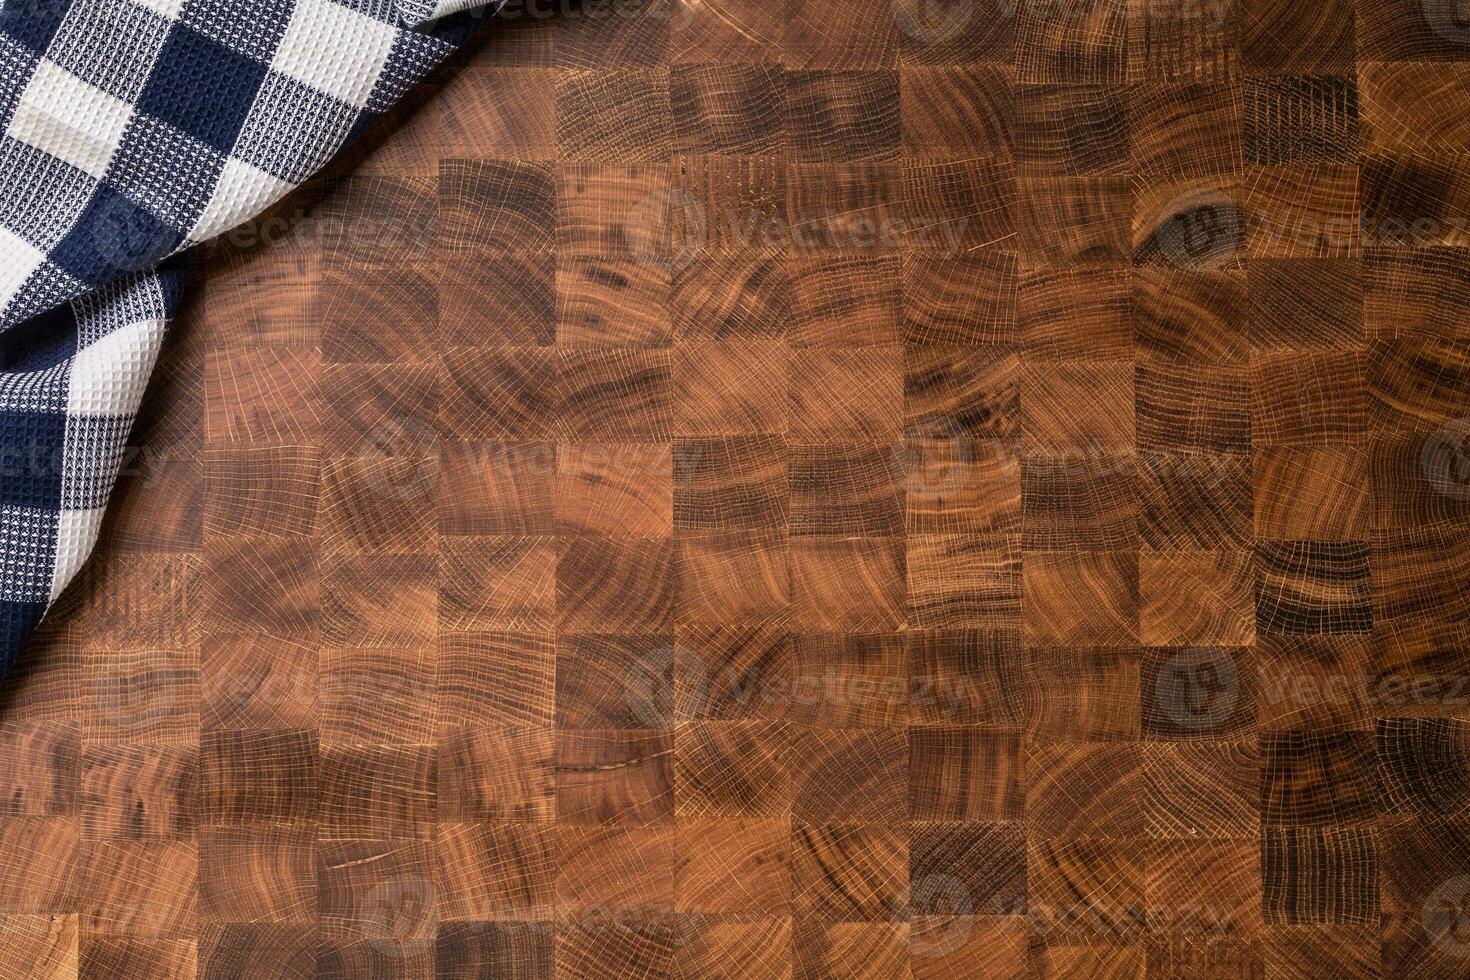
(131, 130)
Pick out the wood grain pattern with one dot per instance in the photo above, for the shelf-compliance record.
(800, 490)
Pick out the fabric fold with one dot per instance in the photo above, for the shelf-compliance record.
(130, 131)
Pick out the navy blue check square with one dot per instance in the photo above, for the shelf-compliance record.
(202, 87)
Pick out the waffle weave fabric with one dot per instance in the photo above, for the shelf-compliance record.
(131, 130)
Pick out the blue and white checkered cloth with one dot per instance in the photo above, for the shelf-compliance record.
(131, 130)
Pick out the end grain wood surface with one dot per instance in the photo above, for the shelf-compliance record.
(807, 489)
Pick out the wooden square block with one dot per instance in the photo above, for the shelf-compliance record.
(1080, 599)
(1068, 129)
(1195, 501)
(605, 209)
(965, 677)
(1308, 211)
(497, 775)
(847, 584)
(1322, 682)
(257, 873)
(611, 34)
(984, 34)
(1200, 692)
(955, 206)
(735, 578)
(1071, 312)
(627, 116)
(138, 792)
(983, 862)
(732, 673)
(284, 949)
(511, 300)
(744, 33)
(378, 503)
(377, 695)
(853, 394)
(1088, 888)
(1178, 410)
(380, 601)
(1177, 867)
(496, 949)
(47, 769)
(495, 679)
(1416, 383)
(739, 483)
(140, 888)
(264, 491)
(644, 947)
(1344, 862)
(823, 949)
(497, 488)
(962, 581)
(260, 586)
(488, 872)
(615, 867)
(382, 410)
(957, 112)
(622, 489)
(1200, 598)
(262, 395)
(621, 395)
(848, 873)
(834, 206)
(846, 115)
(505, 113)
(733, 769)
(505, 393)
(965, 774)
(378, 791)
(1301, 119)
(955, 484)
(1083, 789)
(734, 866)
(850, 681)
(826, 34)
(1088, 46)
(1415, 574)
(1083, 693)
(1230, 809)
(1189, 222)
(741, 204)
(257, 683)
(616, 586)
(942, 945)
(1077, 408)
(846, 490)
(722, 108)
(844, 301)
(1196, 316)
(850, 776)
(143, 697)
(758, 948)
(612, 301)
(614, 681)
(265, 296)
(247, 775)
(375, 889)
(378, 219)
(1311, 492)
(614, 776)
(158, 504)
(705, 306)
(1070, 230)
(730, 387)
(1319, 777)
(1313, 587)
(969, 300)
(374, 313)
(1067, 503)
(489, 207)
(1277, 36)
(1184, 40)
(1189, 129)
(499, 583)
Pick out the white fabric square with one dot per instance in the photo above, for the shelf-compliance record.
(338, 51)
(70, 119)
(76, 534)
(242, 191)
(107, 378)
(164, 8)
(18, 259)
